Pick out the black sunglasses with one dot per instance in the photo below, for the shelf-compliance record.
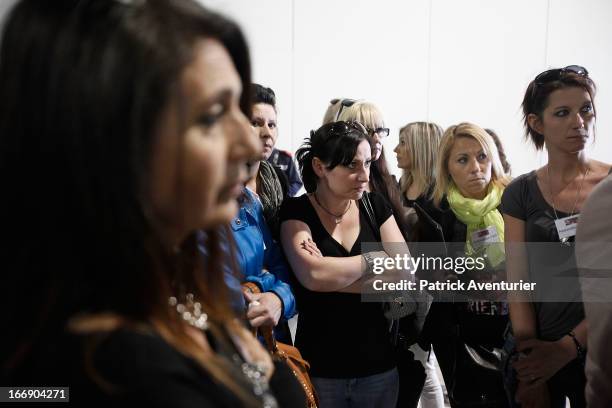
(342, 128)
(555, 74)
(381, 132)
(344, 103)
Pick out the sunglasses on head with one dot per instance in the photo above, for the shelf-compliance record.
(342, 128)
(555, 74)
(344, 103)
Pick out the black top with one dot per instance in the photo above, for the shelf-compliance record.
(284, 161)
(138, 369)
(485, 320)
(338, 334)
(551, 266)
(426, 212)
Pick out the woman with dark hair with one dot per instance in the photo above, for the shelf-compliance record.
(346, 341)
(123, 133)
(549, 328)
(381, 181)
(268, 182)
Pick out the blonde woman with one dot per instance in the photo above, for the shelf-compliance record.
(416, 154)
(470, 183)
(335, 107)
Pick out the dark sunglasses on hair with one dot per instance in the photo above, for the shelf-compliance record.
(344, 103)
(342, 128)
(381, 132)
(555, 74)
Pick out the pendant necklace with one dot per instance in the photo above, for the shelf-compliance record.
(565, 241)
(337, 218)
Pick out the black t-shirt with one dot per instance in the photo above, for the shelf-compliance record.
(338, 334)
(552, 266)
(135, 369)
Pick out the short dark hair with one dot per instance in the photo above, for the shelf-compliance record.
(333, 143)
(537, 94)
(261, 94)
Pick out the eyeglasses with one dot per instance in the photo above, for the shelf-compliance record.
(555, 74)
(381, 132)
(346, 102)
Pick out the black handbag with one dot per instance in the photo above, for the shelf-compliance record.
(404, 331)
(477, 374)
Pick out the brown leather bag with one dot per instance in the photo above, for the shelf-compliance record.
(286, 353)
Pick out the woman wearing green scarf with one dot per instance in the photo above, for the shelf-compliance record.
(469, 186)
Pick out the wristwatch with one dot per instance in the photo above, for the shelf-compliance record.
(368, 257)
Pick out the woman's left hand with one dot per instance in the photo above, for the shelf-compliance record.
(312, 248)
(264, 309)
(543, 360)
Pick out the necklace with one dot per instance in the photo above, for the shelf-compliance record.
(190, 312)
(552, 198)
(337, 218)
(254, 373)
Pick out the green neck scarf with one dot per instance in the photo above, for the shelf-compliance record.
(479, 214)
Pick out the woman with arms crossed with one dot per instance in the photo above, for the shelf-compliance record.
(346, 340)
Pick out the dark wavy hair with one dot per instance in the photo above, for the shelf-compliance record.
(536, 97)
(334, 144)
(82, 87)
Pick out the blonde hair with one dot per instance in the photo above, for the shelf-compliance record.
(498, 176)
(363, 112)
(332, 110)
(421, 141)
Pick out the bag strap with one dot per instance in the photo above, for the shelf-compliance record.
(367, 204)
(265, 331)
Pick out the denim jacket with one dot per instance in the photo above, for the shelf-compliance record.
(258, 256)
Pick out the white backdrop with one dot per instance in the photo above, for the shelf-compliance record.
(440, 60)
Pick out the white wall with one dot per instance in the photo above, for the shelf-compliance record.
(441, 60)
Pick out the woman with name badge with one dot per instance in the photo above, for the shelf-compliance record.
(468, 193)
(541, 211)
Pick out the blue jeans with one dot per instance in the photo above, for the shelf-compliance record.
(374, 391)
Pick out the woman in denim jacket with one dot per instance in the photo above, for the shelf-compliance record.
(261, 261)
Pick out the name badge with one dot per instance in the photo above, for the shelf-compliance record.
(566, 227)
(484, 236)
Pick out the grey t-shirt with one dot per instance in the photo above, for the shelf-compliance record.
(552, 266)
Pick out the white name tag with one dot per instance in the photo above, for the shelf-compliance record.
(566, 227)
(484, 236)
